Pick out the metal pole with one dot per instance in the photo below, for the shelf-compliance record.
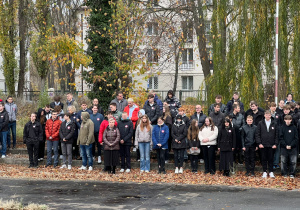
(81, 64)
(276, 53)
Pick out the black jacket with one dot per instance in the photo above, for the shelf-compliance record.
(179, 132)
(126, 131)
(67, 131)
(229, 106)
(226, 139)
(218, 119)
(222, 108)
(4, 120)
(259, 116)
(237, 120)
(52, 105)
(33, 132)
(248, 136)
(288, 136)
(265, 137)
(201, 120)
(152, 112)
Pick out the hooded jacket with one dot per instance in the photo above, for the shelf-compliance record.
(4, 120)
(208, 133)
(288, 136)
(52, 129)
(111, 138)
(125, 127)
(266, 137)
(79, 116)
(103, 126)
(33, 132)
(66, 131)
(201, 120)
(12, 111)
(179, 132)
(153, 112)
(86, 134)
(160, 135)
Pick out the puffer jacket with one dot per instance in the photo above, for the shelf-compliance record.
(143, 136)
(103, 126)
(160, 135)
(266, 137)
(179, 132)
(66, 132)
(111, 138)
(4, 120)
(174, 104)
(86, 134)
(135, 114)
(248, 136)
(208, 133)
(226, 139)
(12, 111)
(153, 112)
(201, 120)
(52, 129)
(33, 132)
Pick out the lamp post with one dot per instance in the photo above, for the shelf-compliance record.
(276, 53)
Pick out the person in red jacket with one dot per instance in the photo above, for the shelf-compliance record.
(104, 125)
(52, 137)
(133, 113)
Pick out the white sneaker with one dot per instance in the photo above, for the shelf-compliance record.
(122, 170)
(264, 175)
(127, 170)
(166, 161)
(90, 168)
(146, 171)
(61, 157)
(201, 161)
(271, 174)
(176, 170)
(52, 156)
(99, 159)
(181, 170)
(82, 168)
(141, 171)
(3, 156)
(69, 167)
(63, 166)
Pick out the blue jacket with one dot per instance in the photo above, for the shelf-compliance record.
(97, 120)
(158, 101)
(79, 116)
(160, 135)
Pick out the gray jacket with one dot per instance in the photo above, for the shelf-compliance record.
(143, 136)
(120, 105)
(12, 111)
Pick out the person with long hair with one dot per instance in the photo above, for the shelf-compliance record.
(169, 122)
(194, 144)
(208, 139)
(226, 145)
(143, 140)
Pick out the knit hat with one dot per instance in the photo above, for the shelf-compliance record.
(142, 111)
(178, 117)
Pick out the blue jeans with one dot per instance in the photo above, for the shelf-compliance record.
(86, 153)
(145, 156)
(12, 126)
(3, 140)
(54, 145)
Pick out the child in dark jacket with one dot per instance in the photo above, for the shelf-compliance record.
(226, 145)
(249, 145)
(160, 136)
(288, 142)
(267, 140)
(194, 144)
(66, 133)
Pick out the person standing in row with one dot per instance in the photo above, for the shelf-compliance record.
(120, 102)
(194, 144)
(117, 114)
(217, 116)
(173, 103)
(12, 111)
(99, 108)
(32, 136)
(97, 119)
(66, 134)
(169, 122)
(218, 100)
(152, 109)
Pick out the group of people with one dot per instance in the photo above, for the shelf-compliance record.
(163, 126)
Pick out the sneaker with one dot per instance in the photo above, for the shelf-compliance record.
(69, 167)
(284, 176)
(292, 176)
(166, 161)
(146, 171)
(3, 156)
(201, 161)
(138, 160)
(99, 159)
(52, 156)
(90, 168)
(82, 168)
(176, 171)
(41, 159)
(264, 175)
(181, 170)
(61, 157)
(64, 166)
(127, 170)
(122, 170)
(142, 171)
(271, 174)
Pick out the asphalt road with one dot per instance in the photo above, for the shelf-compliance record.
(106, 195)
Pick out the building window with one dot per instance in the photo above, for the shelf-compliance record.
(152, 28)
(153, 83)
(208, 32)
(187, 82)
(187, 30)
(152, 55)
(187, 61)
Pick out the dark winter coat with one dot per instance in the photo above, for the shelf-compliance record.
(33, 133)
(226, 139)
(4, 120)
(237, 120)
(248, 135)
(201, 120)
(52, 105)
(179, 132)
(279, 111)
(66, 131)
(159, 103)
(257, 117)
(218, 119)
(265, 137)
(288, 136)
(222, 108)
(153, 112)
(97, 120)
(186, 120)
(160, 135)
(229, 106)
(277, 119)
(111, 138)
(126, 131)
(174, 104)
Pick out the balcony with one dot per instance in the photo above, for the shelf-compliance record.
(187, 65)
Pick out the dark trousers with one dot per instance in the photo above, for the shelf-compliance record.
(250, 159)
(125, 154)
(161, 159)
(76, 148)
(178, 157)
(99, 147)
(288, 160)
(41, 149)
(194, 162)
(267, 157)
(33, 152)
(209, 155)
